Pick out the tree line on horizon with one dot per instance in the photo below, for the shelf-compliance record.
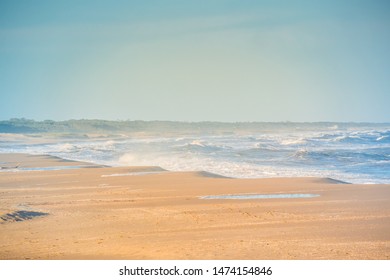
(23, 125)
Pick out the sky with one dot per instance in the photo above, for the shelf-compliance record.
(195, 60)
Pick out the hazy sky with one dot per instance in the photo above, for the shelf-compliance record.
(196, 60)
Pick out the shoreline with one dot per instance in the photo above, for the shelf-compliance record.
(150, 213)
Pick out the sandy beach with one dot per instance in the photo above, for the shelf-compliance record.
(76, 210)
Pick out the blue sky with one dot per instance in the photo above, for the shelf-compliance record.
(195, 60)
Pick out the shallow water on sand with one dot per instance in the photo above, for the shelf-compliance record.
(260, 196)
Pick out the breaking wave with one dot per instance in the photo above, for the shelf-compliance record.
(344, 152)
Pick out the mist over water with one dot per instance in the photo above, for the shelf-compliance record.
(347, 152)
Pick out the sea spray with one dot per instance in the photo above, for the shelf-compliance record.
(356, 153)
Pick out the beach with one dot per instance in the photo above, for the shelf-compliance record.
(78, 210)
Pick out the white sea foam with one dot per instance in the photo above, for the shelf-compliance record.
(131, 174)
(293, 141)
(382, 138)
(344, 152)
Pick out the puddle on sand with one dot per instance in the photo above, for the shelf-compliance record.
(260, 196)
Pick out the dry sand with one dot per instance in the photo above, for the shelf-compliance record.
(87, 213)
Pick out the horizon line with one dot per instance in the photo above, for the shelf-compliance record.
(182, 121)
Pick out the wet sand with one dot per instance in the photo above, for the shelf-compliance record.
(149, 213)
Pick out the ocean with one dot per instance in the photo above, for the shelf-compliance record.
(354, 153)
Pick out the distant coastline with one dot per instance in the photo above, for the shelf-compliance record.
(22, 125)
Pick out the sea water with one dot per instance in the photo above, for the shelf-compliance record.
(348, 152)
